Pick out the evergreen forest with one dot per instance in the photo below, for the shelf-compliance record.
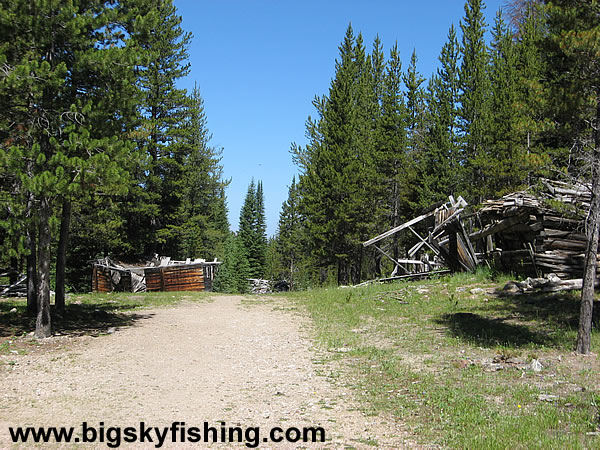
(101, 154)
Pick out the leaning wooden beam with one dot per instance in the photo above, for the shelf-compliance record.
(468, 243)
(410, 261)
(415, 248)
(398, 228)
(497, 227)
(424, 241)
(453, 216)
(12, 286)
(392, 259)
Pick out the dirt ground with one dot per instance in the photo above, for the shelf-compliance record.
(248, 364)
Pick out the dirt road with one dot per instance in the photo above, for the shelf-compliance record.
(246, 364)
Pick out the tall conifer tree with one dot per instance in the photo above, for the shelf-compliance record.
(573, 51)
(200, 225)
(65, 88)
(440, 169)
(152, 208)
(506, 169)
(474, 99)
(393, 159)
(339, 165)
(252, 229)
(290, 235)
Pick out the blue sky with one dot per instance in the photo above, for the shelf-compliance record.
(259, 64)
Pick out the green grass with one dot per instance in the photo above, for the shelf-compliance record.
(426, 352)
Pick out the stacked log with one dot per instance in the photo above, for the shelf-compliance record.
(536, 234)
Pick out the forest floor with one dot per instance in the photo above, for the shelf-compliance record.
(241, 361)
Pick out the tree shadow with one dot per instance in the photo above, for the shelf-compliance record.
(488, 332)
(520, 320)
(77, 320)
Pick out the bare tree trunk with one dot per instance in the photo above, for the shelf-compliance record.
(342, 272)
(292, 268)
(61, 256)
(584, 334)
(31, 274)
(13, 273)
(31, 242)
(43, 323)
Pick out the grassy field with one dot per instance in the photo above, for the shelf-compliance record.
(462, 366)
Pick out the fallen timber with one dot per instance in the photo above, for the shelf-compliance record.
(534, 233)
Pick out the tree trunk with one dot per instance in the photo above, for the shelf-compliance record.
(342, 275)
(584, 333)
(43, 323)
(31, 274)
(292, 268)
(13, 273)
(31, 242)
(61, 256)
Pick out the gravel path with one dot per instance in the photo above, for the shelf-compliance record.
(247, 364)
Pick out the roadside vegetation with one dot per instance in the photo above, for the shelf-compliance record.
(462, 366)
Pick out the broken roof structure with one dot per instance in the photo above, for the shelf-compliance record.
(161, 274)
(534, 233)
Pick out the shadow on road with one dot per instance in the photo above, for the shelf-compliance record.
(77, 319)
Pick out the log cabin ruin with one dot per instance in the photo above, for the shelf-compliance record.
(160, 274)
(533, 233)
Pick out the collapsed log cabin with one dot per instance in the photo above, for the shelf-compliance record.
(161, 274)
(536, 232)
(428, 254)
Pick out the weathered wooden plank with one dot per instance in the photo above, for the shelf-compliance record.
(565, 244)
(397, 229)
(498, 226)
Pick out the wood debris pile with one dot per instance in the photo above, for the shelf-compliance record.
(536, 234)
(445, 240)
(258, 286)
(533, 233)
(17, 284)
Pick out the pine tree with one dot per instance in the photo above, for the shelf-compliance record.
(261, 230)
(252, 229)
(392, 148)
(573, 52)
(233, 274)
(532, 124)
(290, 235)
(415, 107)
(506, 170)
(440, 169)
(474, 109)
(65, 88)
(151, 210)
(200, 225)
(339, 164)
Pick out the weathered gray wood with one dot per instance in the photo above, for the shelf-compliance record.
(442, 225)
(398, 228)
(392, 259)
(423, 241)
(417, 275)
(498, 227)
